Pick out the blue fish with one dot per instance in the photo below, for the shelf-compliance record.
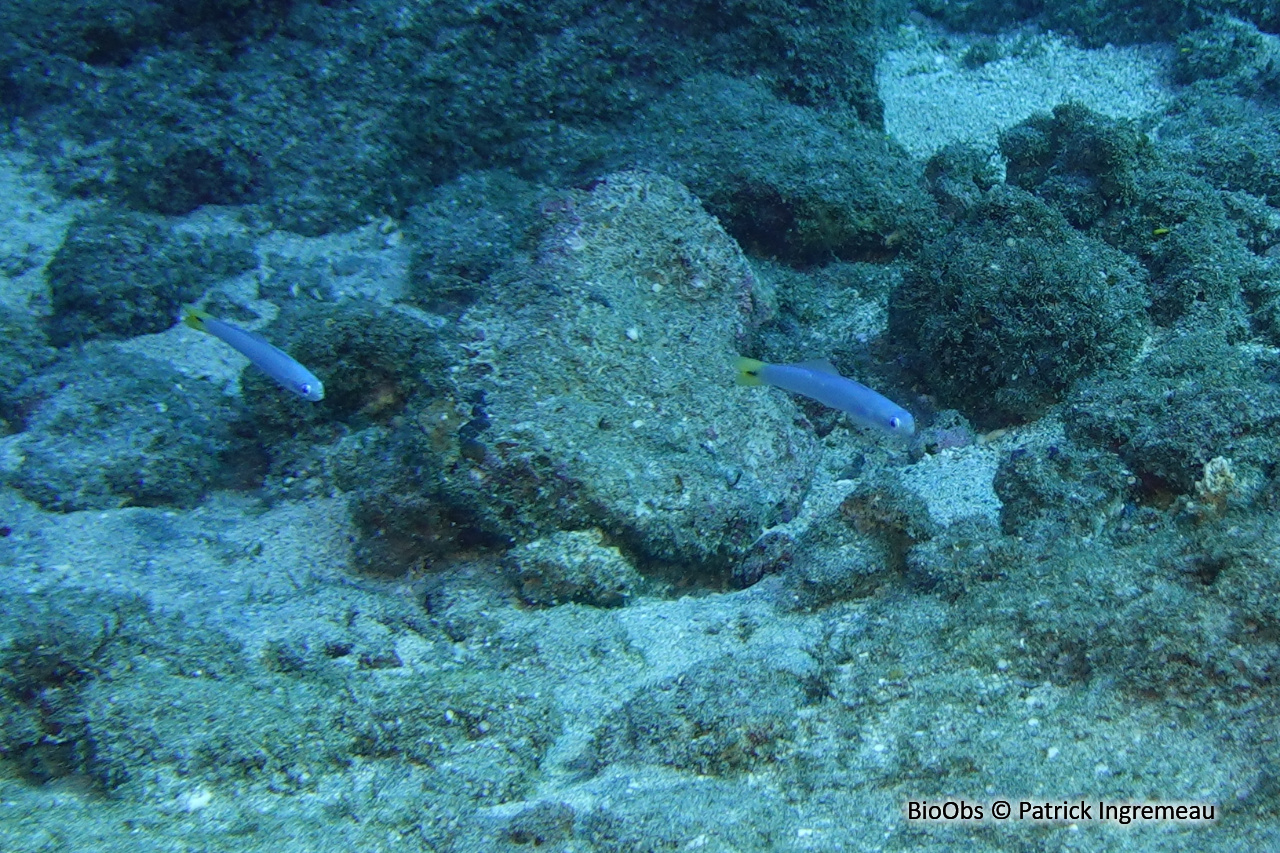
(274, 362)
(820, 381)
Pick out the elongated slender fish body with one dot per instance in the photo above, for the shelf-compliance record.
(820, 381)
(274, 362)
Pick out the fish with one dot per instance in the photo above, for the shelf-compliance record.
(820, 381)
(274, 362)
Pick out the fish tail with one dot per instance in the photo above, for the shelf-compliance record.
(749, 371)
(195, 318)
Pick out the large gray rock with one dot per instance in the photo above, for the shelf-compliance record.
(607, 382)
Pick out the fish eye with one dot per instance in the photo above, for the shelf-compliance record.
(305, 389)
(895, 422)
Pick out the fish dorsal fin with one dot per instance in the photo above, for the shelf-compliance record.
(820, 365)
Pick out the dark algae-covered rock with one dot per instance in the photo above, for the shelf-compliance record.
(120, 274)
(1194, 398)
(1001, 317)
(105, 430)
